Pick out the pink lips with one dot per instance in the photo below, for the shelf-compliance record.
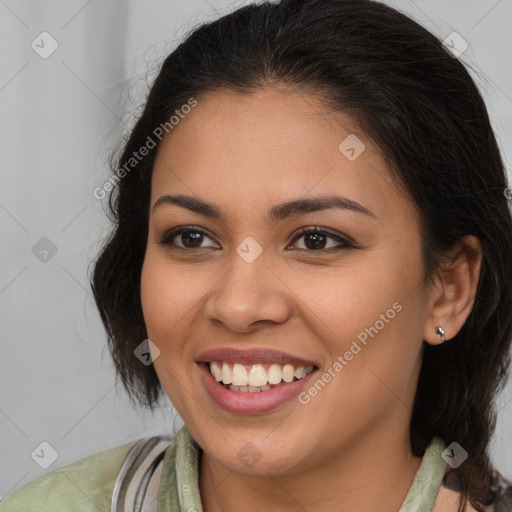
(252, 403)
(253, 356)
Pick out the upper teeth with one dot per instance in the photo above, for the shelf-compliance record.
(256, 375)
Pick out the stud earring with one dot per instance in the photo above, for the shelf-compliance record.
(440, 332)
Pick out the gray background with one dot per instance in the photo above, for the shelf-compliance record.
(60, 118)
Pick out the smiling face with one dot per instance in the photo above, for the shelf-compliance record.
(343, 303)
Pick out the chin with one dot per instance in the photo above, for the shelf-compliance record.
(259, 455)
(255, 463)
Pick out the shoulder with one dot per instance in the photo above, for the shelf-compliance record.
(86, 485)
(447, 500)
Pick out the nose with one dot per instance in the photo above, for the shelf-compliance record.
(248, 295)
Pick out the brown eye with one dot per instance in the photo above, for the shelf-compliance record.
(184, 238)
(317, 240)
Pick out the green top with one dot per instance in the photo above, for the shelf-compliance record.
(87, 485)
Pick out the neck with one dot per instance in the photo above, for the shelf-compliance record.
(371, 474)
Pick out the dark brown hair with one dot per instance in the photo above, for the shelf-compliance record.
(424, 111)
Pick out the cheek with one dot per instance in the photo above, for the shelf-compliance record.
(172, 298)
(167, 294)
(156, 297)
(353, 299)
(375, 360)
(167, 299)
(372, 316)
(164, 306)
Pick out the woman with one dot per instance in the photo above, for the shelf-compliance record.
(311, 258)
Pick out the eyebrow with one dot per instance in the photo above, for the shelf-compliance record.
(276, 213)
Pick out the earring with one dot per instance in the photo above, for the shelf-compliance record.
(440, 332)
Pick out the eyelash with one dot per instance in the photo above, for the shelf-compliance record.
(173, 233)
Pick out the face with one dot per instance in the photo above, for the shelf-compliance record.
(314, 312)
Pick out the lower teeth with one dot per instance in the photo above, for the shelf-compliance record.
(250, 389)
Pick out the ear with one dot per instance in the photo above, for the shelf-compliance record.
(454, 294)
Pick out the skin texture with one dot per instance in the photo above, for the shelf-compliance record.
(246, 153)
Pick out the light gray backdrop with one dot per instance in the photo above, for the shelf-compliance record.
(62, 109)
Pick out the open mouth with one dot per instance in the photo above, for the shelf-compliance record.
(256, 378)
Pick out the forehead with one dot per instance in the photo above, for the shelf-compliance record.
(271, 145)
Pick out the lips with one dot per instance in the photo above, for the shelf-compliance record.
(254, 356)
(253, 381)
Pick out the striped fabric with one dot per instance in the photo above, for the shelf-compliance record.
(138, 482)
